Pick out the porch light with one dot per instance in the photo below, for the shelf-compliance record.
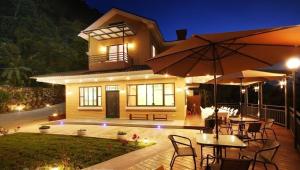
(48, 105)
(146, 76)
(102, 49)
(166, 75)
(158, 127)
(256, 88)
(131, 45)
(282, 83)
(104, 125)
(127, 78)
(243, 91)
(293, 63)
(54, 114)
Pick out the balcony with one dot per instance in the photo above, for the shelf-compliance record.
(109, 61)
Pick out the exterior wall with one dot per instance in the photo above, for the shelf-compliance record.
(72, 100)
(142, 41)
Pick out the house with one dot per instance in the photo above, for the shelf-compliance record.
(118, 82)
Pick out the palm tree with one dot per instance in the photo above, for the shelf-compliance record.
(14, 71)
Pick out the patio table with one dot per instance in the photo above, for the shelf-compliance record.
(241, 122)
(223, 141)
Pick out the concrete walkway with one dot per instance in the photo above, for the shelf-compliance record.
(12, 120)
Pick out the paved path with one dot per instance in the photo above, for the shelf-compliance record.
(12, 120)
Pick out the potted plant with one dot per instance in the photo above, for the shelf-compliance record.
(121, 135)
(44, 129)
(81, 132)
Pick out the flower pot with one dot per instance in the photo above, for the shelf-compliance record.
(44, 131)
(121, 137)
(81, 132)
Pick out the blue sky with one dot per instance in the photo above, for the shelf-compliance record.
(208, 16)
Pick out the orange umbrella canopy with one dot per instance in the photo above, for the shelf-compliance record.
(230, 52)
(248, 77)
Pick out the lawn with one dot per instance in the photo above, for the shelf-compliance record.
(29, 150)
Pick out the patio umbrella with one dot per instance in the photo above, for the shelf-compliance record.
(248, 77)
(225, 53)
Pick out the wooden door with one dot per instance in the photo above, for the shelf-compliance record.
(112, 104)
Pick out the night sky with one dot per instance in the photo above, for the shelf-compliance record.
(209, 16)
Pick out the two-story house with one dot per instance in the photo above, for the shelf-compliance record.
(118, 82)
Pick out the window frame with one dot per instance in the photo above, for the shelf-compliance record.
(163, 95)
(124, 55)
(83, 96)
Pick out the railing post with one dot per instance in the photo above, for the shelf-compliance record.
(286, 105)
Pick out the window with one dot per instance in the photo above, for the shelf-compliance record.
(151, 95)
(153, 51)
(112, 88)
(115, 52)
(90, 96)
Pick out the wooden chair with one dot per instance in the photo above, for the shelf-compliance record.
(228, 164)
(264, 154)
(181, 148)
(268, 126)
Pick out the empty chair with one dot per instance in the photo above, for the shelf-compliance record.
(268, 126)
(253, 129)
(264, 154)
(181, 148)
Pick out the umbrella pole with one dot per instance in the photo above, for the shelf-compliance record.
(215, 95)
(241, 96)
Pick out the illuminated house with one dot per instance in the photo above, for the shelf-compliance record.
(118, 82)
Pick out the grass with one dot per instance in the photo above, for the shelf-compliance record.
(29, 150)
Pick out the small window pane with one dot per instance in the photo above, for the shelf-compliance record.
(158, 94)
(141, 95)
(150, 94)
(169, 88)
(131, 100)
(169, 100)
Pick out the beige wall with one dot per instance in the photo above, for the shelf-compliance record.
(142, 41)
(72, 99)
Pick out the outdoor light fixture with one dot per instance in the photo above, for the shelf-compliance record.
(48, 105)
(102, 49)
(166, 75)
(54, 114)
(146, 141)
(282, 83)
(104, 124)
(256, 88)
(158, 126)
(131, 45)
(243, 91)
(293, 63)
(127, 78)
(146, 76)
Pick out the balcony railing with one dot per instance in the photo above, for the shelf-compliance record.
(111, 57)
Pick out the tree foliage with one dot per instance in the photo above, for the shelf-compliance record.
(40, 36)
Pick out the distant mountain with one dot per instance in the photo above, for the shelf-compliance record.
(41, 35)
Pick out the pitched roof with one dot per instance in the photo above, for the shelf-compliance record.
(114, 11)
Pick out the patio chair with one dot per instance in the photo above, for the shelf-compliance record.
(253, 129)
(227, 164)
(268, 126)
(181, 148)
(264, 154)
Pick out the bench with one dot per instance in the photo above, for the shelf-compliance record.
(160, 116)
(138, 116)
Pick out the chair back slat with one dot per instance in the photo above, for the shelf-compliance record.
(254, 127)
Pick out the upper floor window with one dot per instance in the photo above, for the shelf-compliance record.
(117, 52)
(151, 95)
(153, 51)
(90, 96)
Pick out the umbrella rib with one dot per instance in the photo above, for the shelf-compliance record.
(232, 51)
(180, 60)
(246, 55)
(275, 45)
(196, 62)
(258, 33)
(219, 61)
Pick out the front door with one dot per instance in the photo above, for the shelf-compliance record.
(112, 104)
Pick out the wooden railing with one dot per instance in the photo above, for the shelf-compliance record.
(295, 126)
(267, 111)
(112, 57)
